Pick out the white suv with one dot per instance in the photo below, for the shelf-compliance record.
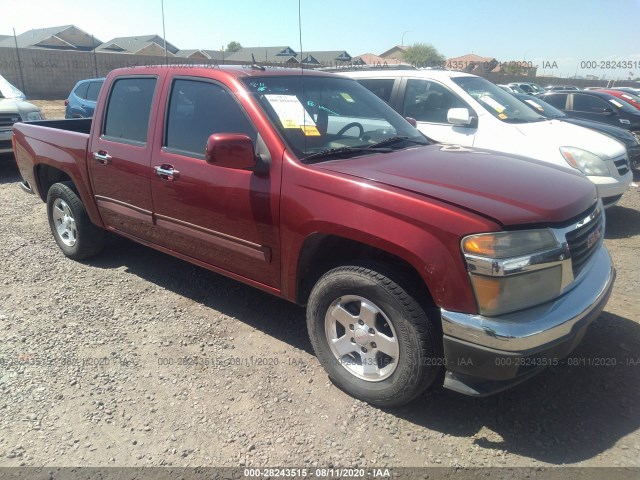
(464, 109)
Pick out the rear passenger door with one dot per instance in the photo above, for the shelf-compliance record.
(120, 157)
(224, 217)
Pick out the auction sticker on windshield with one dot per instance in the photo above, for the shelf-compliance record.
(492, 103)
(292, 114)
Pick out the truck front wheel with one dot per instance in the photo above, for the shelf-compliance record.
(71, 227)
(373, 338)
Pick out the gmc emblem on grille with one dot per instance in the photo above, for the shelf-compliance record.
(593, 238)
(15, 119)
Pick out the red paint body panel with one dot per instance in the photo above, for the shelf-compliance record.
(415, 204)
(66, 151)
(511, 190)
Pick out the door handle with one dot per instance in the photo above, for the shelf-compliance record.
(102, 157)
(166, 172)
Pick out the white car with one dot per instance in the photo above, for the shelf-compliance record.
(467, 110)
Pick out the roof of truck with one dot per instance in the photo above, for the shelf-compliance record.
(232, 70)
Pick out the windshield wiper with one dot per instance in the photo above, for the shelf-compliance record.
(522, 120)
(398, 139)
(374, 147)
(345, 150)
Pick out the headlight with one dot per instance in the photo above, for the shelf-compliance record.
(34, 116)
(587, 162)
(508, 244)
(514, 270)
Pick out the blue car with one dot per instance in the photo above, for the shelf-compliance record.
(82, 99)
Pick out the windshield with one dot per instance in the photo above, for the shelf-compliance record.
(497, 102)
(623, 104)
(631, 98)
(540, 106)
(537, 88)
(320, 114)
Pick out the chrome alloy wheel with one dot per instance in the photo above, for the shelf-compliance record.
(361, 338)
(64, 222)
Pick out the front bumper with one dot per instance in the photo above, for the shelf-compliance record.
(5, 141)
(634, 156)
(484, 355)
(610, 189)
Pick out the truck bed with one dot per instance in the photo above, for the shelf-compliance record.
(79, 125)
(61, 144)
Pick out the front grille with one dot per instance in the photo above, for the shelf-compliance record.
(8, 119)
(585, 239)
(4, 144)
(622, 164)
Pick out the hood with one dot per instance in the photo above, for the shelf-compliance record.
(618, 133)
(9, 91)
(13, 105)
(508, 189)
(557, 133)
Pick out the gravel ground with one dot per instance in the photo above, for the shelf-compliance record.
(97, 370)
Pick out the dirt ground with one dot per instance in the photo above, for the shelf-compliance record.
(52, 109)
(97, 369)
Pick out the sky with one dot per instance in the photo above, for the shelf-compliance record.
(565, 37)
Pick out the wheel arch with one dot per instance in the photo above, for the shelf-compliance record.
(46, 175)
(321, 252)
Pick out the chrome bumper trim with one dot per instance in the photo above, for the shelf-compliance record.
(538, 326)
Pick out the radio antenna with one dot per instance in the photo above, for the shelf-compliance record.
(304, 116)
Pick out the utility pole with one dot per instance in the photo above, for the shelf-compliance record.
(15, 39)
(164, 33)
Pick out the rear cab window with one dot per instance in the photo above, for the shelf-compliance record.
(128, 110)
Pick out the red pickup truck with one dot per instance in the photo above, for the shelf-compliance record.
(418, 263)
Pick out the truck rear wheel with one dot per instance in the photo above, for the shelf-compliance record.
(71, 227)
(373, 338)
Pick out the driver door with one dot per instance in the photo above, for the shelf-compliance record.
(223, 217)
(428, 102)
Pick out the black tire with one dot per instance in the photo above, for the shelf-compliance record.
(419, 358)
(83, 239)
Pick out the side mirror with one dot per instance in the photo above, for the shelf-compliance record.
(230, 150)
(460, 116)
(412, 121)
(609, 112)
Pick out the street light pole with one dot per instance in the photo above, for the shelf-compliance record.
(403, 34)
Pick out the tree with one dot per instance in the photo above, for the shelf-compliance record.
(423, 55)
(234, 46)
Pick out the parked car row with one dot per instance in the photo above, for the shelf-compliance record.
(624, 136)
(597, 105)
(467, 110)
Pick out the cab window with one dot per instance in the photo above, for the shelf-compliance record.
(428, 101)
(198, 109)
